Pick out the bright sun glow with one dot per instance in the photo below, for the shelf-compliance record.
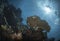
(47, 10)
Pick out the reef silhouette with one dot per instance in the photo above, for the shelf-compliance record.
(12, 28)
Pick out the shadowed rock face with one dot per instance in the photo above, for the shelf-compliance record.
(36, 22)
(12, 16)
